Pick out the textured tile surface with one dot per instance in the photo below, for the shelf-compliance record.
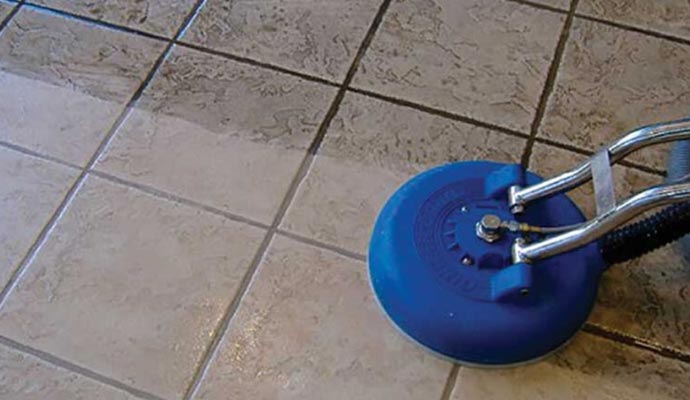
(319, 38)
(646, 297)
(30, 191)
(76, 76)
(130, 286)
(161, 17)
(370, 149)
(667, 16)
(612, 81)
(25, 377)
(486, 59)
(589, 368)
(562, 4)
(225, 134)
(310, 329)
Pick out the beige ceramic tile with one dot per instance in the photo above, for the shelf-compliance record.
(309, 328)
(159, 17)
(314, 37)
(562, 4)
(222, 133)
(25, 377)
(5, 9)
(666, 16)
(30, 191)
(370, 149)
(589, 368)
(130, 286)
(486, 59)
(612, 81)
(646, 297)
(64, 82)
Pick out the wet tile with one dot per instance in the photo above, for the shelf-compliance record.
(76, 76)
(25, 377)
(30, 192)
(612, 81)
(668, 16)
(646, 297)
(588, 368)
(484, 59)
(154, 16)
(309, 328)
(370, 149)
(130, 286)
(225, 134)
(319, 38)
(5, 9)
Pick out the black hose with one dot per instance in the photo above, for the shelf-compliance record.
(647, 235)
(660, 229)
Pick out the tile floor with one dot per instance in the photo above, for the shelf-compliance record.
(188, 188)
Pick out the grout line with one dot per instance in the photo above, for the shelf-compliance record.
(450, 382)
(549, 84)
(177, 199)
(648, 32)
(257, 63)
(301, 173)
(95, 21)
(32, 153)
(438, 112)
(539, 5)
(15, 9)
(321, 245)
(74, 368)
(639, 343)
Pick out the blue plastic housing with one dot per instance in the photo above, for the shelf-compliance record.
(461, 296)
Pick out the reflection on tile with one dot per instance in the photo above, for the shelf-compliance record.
(612, 81)
(30, 191)
(5, 9)
(370, 149)
(130, 286)
(222, 133)
(154, 16)
(486, 59)
(77, 77)
(309, 328)
(588, 368)
(25, 377)
(667, 16)
(646, 297)
(319, 38)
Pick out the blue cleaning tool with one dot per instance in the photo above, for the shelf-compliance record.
(490, 265)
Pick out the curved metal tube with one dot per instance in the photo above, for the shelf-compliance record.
(602, 224)
(635, 140)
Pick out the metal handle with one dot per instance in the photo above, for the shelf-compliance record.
(646, 136)
(602, 224)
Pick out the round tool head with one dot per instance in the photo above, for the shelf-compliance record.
(460, 295)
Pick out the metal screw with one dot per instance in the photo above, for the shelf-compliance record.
(467, 260)
(524, 292)
(464, 209)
